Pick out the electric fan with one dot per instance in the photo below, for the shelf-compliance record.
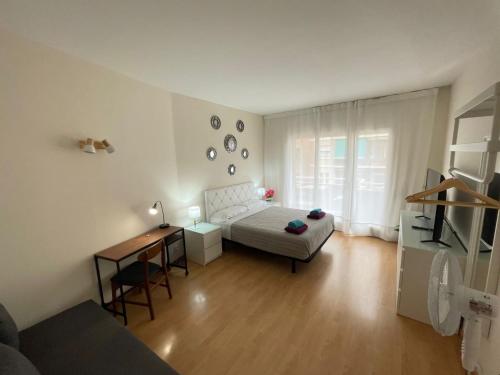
(449, 300)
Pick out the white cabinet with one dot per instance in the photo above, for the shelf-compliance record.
(414, 260)
(203, 243)
(272, 203)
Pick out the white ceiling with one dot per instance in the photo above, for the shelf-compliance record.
(267, 56)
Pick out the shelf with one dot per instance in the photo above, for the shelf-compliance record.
(486, 146)
(174, 238)
(179, 262)
(482, 105)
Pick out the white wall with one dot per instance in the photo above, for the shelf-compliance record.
(196, 172)
(440, 128)
(58, 205)
(481, 71)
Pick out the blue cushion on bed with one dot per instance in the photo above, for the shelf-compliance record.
(296, 224)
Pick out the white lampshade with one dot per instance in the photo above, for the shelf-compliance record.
(108, 147)
(261, 191)
(153, 211)
(89, 146)
(194, 212)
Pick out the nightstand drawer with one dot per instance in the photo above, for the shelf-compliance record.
(212, 238)
(213, 252)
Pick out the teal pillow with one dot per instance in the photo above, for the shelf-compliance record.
(9, 335)
(14, 363)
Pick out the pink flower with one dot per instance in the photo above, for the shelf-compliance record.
(269, 193)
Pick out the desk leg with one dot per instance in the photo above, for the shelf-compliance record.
(99, 281)
(168, 255)
(122, 297)
(185, 255)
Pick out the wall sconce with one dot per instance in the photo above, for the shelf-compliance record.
(90, 146)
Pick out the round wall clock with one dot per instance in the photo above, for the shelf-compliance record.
(211, 153)
(231, 169)
(215, 122)
(230, 143)
(244, 153)
(240, 126)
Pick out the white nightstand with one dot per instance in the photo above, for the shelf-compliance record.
(203, 243)
(273, 203)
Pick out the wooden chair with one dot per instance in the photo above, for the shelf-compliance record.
(143, 274)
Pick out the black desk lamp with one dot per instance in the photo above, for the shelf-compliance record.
(153, 211)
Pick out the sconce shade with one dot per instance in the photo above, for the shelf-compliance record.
(108, 147)
(194, 212)
(260, 192)
(89, 146)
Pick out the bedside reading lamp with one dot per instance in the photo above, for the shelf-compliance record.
(153, 211)
(194, 213)
(260, 192)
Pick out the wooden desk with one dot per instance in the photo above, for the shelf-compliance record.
(135, 245)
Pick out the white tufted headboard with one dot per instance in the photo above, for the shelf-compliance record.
(220, 198)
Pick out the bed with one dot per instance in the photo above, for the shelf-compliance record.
(249, 221)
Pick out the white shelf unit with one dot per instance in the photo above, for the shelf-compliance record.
(485, 104)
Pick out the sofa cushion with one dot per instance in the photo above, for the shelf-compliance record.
(9, 334)
(87, 340)
(14, 363)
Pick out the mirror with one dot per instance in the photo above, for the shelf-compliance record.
(231, 169)
(240, 126)
(211, 153)
(230, 143)
(244, 153)
(215, 122)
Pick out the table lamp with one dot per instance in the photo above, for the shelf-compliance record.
(260, 192)
(194, 213)
(153, 211)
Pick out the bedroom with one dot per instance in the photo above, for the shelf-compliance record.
(342, 106)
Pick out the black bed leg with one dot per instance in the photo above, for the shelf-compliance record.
(293, 266)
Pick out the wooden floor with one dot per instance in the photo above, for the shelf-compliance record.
(245, 313)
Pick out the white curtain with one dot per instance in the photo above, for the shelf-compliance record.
(357, 160)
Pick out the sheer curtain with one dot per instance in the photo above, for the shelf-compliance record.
(357, 160)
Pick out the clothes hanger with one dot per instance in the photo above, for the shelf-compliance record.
(486, 202)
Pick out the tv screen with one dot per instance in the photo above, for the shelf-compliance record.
(461, 217)
(490, 214)
(433, 214)
(433, 179)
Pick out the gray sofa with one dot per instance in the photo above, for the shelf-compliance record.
(83, 340)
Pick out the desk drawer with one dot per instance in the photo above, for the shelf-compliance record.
(212, 238)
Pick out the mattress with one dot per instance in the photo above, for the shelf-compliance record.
(263, 228)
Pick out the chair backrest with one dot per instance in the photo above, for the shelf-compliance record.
(151, 252)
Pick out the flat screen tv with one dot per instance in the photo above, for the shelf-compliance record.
(434, 214)
(461, 217)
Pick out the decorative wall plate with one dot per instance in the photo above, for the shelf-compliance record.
(211, 153)
(215, 122)
(231, 169)
(230, 143)
(240, 126)
(244, 153)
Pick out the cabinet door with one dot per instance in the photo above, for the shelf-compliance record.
(416, 266)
